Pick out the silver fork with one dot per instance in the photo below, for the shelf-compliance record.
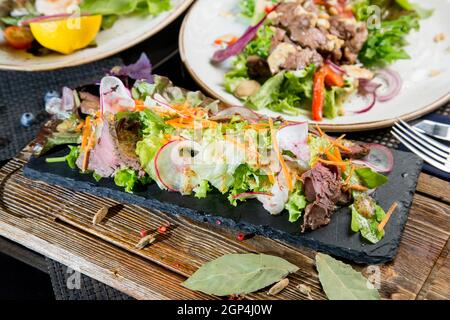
(431, 151)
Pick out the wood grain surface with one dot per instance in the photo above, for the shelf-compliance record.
(57, 222)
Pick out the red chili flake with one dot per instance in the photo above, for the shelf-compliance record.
(162, 229)
(176, 265)
(269, 9)
(143, 233)
(240, 236)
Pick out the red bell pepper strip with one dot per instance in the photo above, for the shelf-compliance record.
(318, 94)
(332, 78)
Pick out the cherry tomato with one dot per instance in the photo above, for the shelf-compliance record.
(19, 37)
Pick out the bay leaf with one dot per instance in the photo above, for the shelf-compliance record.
(341, 282)
(239, 274)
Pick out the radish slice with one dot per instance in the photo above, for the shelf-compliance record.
(294, 138)
(172, 163)
(249, 195)
(245, 113)
(380, 159)
(276, 201)
(114, 96)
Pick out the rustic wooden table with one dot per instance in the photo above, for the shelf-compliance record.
(56, 222)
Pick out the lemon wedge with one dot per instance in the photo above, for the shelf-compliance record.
(67, 35)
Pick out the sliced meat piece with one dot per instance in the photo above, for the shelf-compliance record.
(354, 34)
(108, 154)
(302, 58)
(312, 38)
(323, 189)
(280, 55)
(258, 68)
(358, 150)
(278, 37)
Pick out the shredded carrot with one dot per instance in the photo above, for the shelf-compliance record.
(333, 163)
(388, 216)
(350, 174)
(79, 127)
(284, 167)
(320, 130)
(257, 126)
(358, 187)
(191, 123)
(271, 177)
(86, 131)
(332, 157)
(85, 160)
(341, 146)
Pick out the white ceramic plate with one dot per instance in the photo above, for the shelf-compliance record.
(125, 33)
(426, 76)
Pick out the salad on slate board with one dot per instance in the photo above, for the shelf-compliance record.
(310, 56)
(138, 128)
(64, 26)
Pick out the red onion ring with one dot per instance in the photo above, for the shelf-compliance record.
(240, 44)
(369, 106)
(337, 69)
(394, 84)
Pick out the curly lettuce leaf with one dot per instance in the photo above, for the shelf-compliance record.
(202, 189)
(385, 43)
(238, 73)
(295, 205)
(247, 179)
(252, 9)
(126, 178)
(260, 46)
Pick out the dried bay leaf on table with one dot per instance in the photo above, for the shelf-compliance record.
(239, 274)
(341, 282)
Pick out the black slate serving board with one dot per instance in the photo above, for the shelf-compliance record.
(250, 217)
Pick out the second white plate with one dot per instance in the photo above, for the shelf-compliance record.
(426, 76)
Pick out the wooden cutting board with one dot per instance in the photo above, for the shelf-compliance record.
(56, 222)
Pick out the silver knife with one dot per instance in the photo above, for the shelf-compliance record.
(434, 129)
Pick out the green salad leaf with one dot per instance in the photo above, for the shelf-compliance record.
(126, 178)
(370, 178)
(295, 205)
(368, 226)
(250, 10)
(385, 44)
(202, 189)
(122, 7)
(70, 158)
(247, 179)
(260, 46)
